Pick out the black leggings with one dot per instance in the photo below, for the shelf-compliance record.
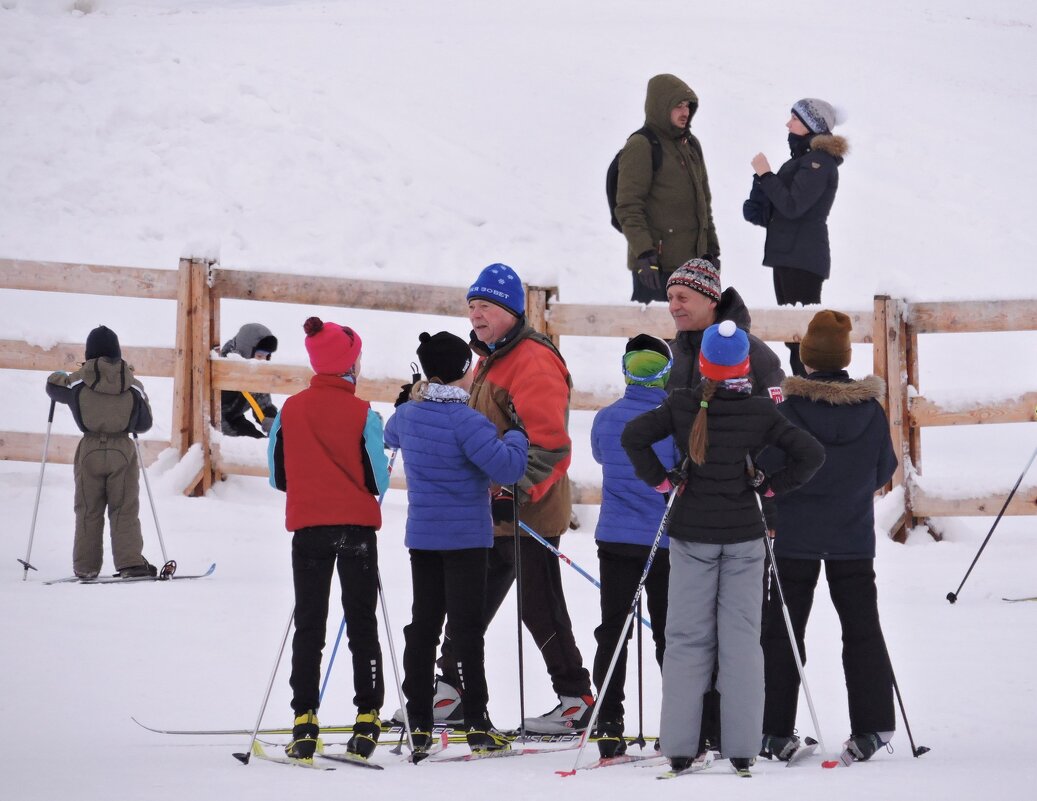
(316, 551)
(792, 286)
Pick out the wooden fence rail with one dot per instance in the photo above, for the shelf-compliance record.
(199, 375)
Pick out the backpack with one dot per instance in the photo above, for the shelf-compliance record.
(612, 175)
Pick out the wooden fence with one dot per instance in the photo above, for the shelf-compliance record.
(199, 375)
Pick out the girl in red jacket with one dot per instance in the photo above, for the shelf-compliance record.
(326, 452)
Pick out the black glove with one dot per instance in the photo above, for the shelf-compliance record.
(760, 482)
(403, 397)
(647, 269)
(714, 260)
(267, 424)
(502, 506)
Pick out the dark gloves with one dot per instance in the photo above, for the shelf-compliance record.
(760, 482)
(647, 269)
(502, 506)
(268, 423)
(714, 260)
(405, 389)
(403, 397)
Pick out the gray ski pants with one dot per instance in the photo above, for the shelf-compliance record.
(106, 473)
(715, 601)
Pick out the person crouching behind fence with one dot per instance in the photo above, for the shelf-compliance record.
(325, 452)
(108, 404)
(451, 454)
(630, 515)
(716, 541)
(832, 519)
(253, 341)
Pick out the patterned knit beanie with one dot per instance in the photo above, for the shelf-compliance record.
(443, 356)
(501, 285)
(700, 275)
(820, 117)
(647, 361)
(724, 352)
(826, 344)
(333, 348)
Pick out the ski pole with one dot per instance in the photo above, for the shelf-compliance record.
(953, 596)
(640, 741)
(396, 669)
(26, 564)
(916, 751)
(572, 564)
(151, 499)
(585, 737)
(244, 758)
(342, 625)
(518, 608)
(785, 612)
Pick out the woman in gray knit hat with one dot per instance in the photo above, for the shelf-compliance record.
(793, 205)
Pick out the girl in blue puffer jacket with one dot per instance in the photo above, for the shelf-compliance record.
(631, 512)
(451, 455)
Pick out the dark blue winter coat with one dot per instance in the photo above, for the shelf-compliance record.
(630, 510)
(832, 516)
(793, 204)
(451, 453)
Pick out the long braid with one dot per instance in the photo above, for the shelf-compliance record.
(698, 442)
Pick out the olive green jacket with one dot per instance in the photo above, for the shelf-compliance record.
(669, 209)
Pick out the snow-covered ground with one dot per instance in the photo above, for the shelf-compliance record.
(418, 142)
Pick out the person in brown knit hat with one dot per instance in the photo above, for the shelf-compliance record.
(826, 344)
(831, 519)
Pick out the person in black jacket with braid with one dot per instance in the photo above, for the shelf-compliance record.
(831, 519)
(716, 541)
(793, 205)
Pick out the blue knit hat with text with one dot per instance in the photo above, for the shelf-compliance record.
(501, 285)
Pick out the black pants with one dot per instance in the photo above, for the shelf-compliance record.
(621, 567)
(315, 553)
(452, 585)
(792, 286)
(869, 679)
(544, 612)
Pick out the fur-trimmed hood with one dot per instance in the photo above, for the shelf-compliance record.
(838, 393)
(832, 144)
(834, 408)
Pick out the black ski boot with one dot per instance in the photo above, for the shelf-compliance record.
(780, 748)
(304, 736)
(365, 734)
(482, 736)
(609, 735)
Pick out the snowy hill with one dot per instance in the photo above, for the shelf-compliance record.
(417, 142)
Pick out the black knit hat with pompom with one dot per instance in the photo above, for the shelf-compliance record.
(443, 356)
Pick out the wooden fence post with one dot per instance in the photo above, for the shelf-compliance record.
(201, 374)
(180, 430)
(894, 344)
(538, 299)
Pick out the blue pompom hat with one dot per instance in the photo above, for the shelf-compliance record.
(501, 285)
(724, 352)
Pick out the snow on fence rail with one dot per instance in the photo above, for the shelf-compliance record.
(198, 286)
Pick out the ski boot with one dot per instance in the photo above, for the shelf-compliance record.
(365, 734)
(304, 736)
(778, 747)
(483, 737)
(446, 705)
(571, 715)
(609, 736)
(741, 765)
(863, 746)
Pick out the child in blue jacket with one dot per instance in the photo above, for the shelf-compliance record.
(451, 455)
(631, 512)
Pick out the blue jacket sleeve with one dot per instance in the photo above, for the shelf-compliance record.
(599, 457)
(275, 456)
(374, 446)
(808, 184)
(392, 437)
(503, 460)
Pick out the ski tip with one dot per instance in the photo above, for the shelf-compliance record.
(566, 772)
(242, 758)
(830, 763)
